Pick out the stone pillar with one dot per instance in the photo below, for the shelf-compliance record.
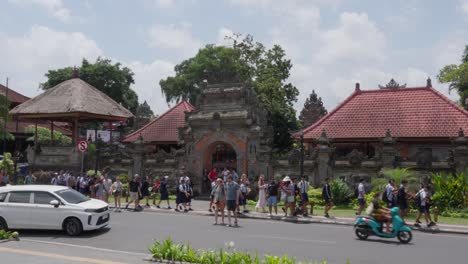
(460, 152)
(389, 151)
(137, 156)
(323, 159)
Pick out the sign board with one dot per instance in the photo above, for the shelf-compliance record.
(103, 135)
(82, 145)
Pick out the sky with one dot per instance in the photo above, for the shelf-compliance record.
(332, 43)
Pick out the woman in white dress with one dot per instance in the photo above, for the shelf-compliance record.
(262, 202)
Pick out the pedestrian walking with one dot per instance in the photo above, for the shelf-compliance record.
(116, 190)
(84, 187)
(219, 195)
(187, 182)
(107, 183)
(100, 190)
(71, 181)
(135, 192)
(390, 194)
(54, 180)
(225, 174)
(272, 188)
(29, 179)
(361, 196)
(213, 186)
(287, 195)
(181, 200)
(155, 189)
(261, 203)
(145, 192)
(189, 191)
(303, 186)
(402, 199)
(423, 201)
(243, 194)
(92, 186)
(163, 192)
(232, 199)
(327, 196)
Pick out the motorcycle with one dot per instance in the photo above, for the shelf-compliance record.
(366, 226)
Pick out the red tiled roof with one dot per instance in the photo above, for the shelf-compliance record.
(13, 96)
(164, 129)
(419, 112)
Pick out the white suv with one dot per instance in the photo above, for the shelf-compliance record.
(52, 208)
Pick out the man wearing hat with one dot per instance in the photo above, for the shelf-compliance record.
(288, 194)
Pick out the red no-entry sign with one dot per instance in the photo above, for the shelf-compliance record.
(82, 145)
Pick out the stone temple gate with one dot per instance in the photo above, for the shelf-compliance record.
(227, 129)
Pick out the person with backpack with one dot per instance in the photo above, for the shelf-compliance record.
(422, 200)
(402, 199)
(182, 195)
(389, 194)
(327, 196)
(272, 188)
(303, 187)
(361, 195)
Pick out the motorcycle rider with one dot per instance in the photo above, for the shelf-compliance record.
(380, 213)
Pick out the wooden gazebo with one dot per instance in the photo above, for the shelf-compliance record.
(73, 101)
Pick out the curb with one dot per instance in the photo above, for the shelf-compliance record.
(8, 240)
(308, 221)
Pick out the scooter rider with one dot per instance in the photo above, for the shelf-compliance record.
(380, 213)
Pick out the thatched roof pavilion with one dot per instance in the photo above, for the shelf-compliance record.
(72, 101)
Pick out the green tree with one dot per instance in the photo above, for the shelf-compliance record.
(112, 79)
(457, 77)
(43, 136)
(4, 118)
(265, 70)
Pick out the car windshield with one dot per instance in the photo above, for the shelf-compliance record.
(72, 196)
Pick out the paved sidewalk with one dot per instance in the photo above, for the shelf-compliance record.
(201, 208)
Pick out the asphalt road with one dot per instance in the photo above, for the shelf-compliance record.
(132, 233)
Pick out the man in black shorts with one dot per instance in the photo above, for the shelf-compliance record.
(232, 198)
(326, 194)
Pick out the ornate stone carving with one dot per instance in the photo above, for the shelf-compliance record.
(424, 158)
(355, 157)
(294, 156)
(392, 85)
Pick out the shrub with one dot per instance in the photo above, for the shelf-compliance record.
(378, 184)
(450, 191)
(340, 192)
(177, 252)
(123, 178)
(91, 173)
(7, 235)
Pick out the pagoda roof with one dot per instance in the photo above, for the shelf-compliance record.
(165, 128)
(417, 112)
(72, 98)
(13, 96)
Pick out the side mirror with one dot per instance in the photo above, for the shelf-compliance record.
(55, 203)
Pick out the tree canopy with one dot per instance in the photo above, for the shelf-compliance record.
(313, 110)
(265, 70)
(457, 77)
(110, 78)
(4, 118)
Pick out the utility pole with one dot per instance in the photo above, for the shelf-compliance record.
(302, 153)
(5, 118)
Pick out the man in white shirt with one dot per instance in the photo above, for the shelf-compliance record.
(361, 196)
(107, 187)
(423, 200)
(225, 174)
(186, 180)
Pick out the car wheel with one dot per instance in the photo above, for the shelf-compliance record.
(362, 233)
(3, 224)
(73, 227)
(405, 237)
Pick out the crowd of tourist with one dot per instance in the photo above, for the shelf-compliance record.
(229, 193)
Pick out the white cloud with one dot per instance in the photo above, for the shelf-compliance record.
(55, 7)
(464, 6)
(356, 40)
(147, 77)
(222, 34)
(173, 37)
(30, 56)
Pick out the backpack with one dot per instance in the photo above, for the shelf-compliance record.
(417, 199)
(385, 195)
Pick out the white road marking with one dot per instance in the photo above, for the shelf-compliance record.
(57, 256)
(292, 239)
(84, 247)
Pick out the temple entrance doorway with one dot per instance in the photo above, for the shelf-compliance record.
(218, 155)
